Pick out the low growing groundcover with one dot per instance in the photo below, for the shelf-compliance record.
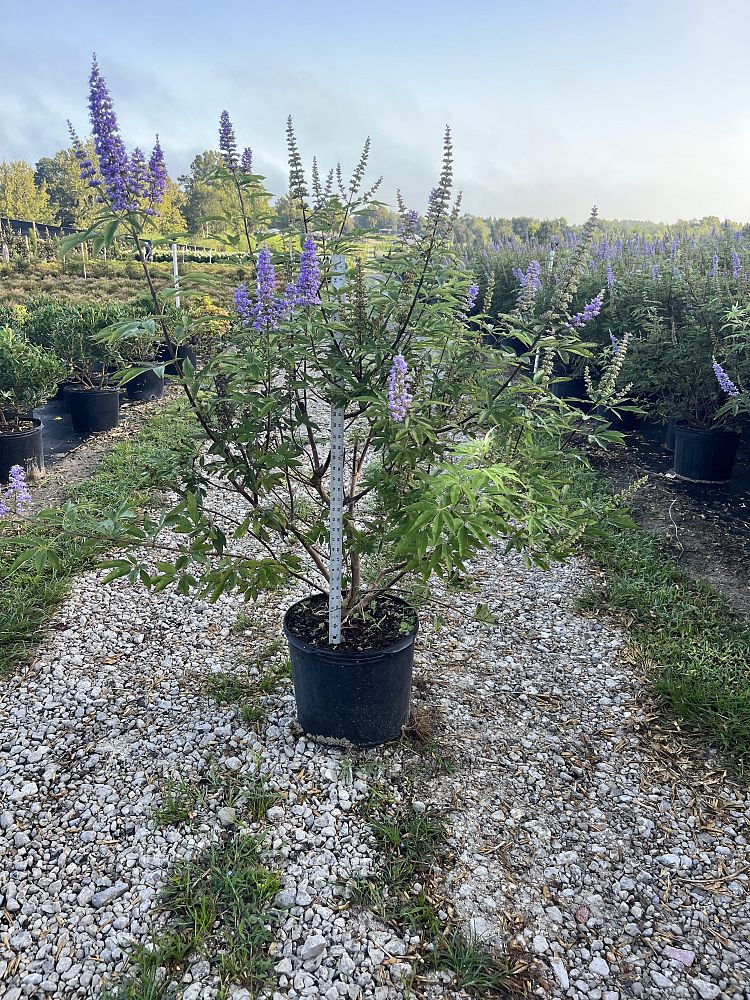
(129, 475)
(698, 647)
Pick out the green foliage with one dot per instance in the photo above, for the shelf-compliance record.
(20, 198)
(699, 650)
(127, 477)
(28, 375)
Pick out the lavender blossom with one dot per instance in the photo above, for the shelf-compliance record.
(610, 275)
(531, 278)
(227, 141)
(590, 311)
(615, 343)
(655, 271)
(399, 398)
(736, 264)
(724, 380)
(108, 144)
(157, 178)
(242, 304)
(137, 179)
(15, 497)
(246, 163)
(305, 292)
(714, 270)
(471, 298)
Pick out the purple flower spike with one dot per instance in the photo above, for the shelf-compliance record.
(14, 499)
(736, 264)
(137, 179)
(227, 141)
(157, 176)
(531, 278)
(308, 282)
(610, 275)
(590, 311)
(242, 304)
(246, 163)
(471, 298)
(714, 266)
(110, 149)
(724, 380)
(399, 397)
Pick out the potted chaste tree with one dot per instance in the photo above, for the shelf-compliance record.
(28, 378)
(366, 433)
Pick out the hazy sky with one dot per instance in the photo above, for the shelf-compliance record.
(640, 107)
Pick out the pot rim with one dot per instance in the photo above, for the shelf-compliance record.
(345, 655)
(685, 428)
(27, 433)
(102, 390)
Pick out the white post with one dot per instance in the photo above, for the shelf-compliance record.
(176, 275)
(336, 483)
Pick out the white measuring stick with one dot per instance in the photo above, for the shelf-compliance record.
(336, 483)
(176, 275)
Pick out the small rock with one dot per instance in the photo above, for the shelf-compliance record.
(314, 946)
(109, 895)
(683, 955)
(561, 973)
(598, 966)
(227, 816)
(708, 991)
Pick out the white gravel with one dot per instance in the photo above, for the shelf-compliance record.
(568, 833)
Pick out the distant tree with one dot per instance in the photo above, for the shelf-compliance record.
(205, 196)
(20, 198)
(72, 200)
(171, 217)
(472, 232)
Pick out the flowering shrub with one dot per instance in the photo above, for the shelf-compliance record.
(449, 445)
(15, 496)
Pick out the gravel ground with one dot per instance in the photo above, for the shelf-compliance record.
(572, 827)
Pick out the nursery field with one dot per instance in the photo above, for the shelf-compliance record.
(373, 612)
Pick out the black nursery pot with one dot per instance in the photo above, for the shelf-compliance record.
(623, 421)
(144, 387)
(572, 389)
(22, 448)
(93, 410)
(672, 425)
(704, 456)
(172, 365)
(358, 697)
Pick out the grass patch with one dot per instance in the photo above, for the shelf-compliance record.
(178, 804)
(230, 689)
(405, 894)
(183, 798)
(220, 908)
(131, 474)
(700, 649)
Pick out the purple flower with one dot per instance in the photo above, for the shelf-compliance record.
(531, 278)
(399, 398)
(590, 311)
(714, 266)
(227, 141)
(471, 298)
(615, 343)
(610, 275)
(15, 497)
(655, 271)
(736, 264)
(242, 304)
(110, 149)
(246, 163)
(724, 380)
(157, 177)
(306, 289)
(137, 179)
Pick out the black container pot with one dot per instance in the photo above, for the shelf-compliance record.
(572, 388)
(172, 366)
(148, 385)
(93, 409)
(351, 696)
(704, 456)
(624, 421)
(22, 448)
(672, 425)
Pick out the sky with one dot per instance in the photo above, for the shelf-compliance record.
(642, 108)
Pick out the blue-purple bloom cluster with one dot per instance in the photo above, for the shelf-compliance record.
(471, 298)
(399, 397)
(531, 278)
(305, 292)
(15, 496)
(610, 276)
(246, 163)
(227, 141)
(127, 183)
(590, 311)
(724, 380)
(268, 309)
(736, 264)
(714, 270)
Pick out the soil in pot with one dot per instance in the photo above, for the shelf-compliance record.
(22, 446)
(704, 456)
(358, 692)
(144, 387)
(93, 410)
